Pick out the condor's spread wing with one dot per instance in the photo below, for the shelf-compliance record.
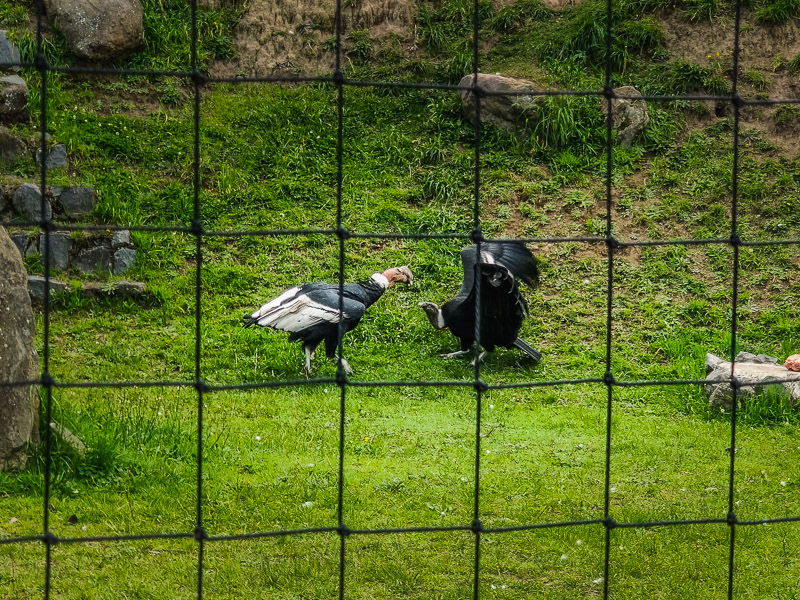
(512, 258)
(302, 307)
(515, 257)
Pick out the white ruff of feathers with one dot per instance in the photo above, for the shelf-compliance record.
(381, 280)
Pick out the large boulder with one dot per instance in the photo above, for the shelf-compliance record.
(509, 110)
(628, 114)
(760, 373)
(19, 404)
(99, 31)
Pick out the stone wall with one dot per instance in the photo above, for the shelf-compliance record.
(23, 202)
(87, 253)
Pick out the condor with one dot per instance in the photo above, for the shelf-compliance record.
(501, 267)
(311, 312)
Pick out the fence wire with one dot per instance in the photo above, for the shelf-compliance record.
(199, 80)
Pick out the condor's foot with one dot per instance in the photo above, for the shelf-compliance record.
(345, 365)
(479, 359)
(455, 354)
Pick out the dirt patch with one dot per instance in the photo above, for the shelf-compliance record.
(711, 42)
(765, 51)
(294, 37)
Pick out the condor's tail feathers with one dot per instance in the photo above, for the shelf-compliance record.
(521, 344)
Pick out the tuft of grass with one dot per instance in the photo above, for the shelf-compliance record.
(794, 64)
(701, 10)
(770, 407)
(776, 12)
(167, 35)
(786, 114)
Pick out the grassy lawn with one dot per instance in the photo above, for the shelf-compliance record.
(271, 452)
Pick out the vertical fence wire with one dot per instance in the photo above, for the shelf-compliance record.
(479, 387)
(735, 239)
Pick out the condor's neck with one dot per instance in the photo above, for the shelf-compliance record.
(369, 290)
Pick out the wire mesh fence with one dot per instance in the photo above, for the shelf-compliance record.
(203, 390)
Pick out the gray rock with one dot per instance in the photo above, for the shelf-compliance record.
(93, 260)
(628, 115)
(124, 259)
(60, 246)
(11, 147)
(13, 99)
(69, 438)
(56, 157)
(759, 374)
(9, 53)
(99, 30)
(26, 245)
(19, 404)
(130, 289)
(509, 111)
(36, 287)
(27, 202)
(121, 238)
(21, 242)
(121, 289)
(77, 201)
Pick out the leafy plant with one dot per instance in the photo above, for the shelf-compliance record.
(361, 46)
(757, 79)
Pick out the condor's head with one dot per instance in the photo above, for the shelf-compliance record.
(434, 314)
(398, 275)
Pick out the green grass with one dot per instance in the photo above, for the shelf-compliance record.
(267, 161)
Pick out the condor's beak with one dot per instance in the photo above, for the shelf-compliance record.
(408, 276)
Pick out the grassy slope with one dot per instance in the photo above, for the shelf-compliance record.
(268, 161)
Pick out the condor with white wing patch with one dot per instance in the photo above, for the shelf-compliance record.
(312, 312)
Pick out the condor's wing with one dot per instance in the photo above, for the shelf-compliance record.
(469, 259)
(515, 257)
(302, 307)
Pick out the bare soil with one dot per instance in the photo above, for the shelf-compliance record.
(765, 49)
(294, 37)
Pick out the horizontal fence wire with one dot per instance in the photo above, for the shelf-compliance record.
(203, 388)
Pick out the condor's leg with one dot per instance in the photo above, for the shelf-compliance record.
(309, 352)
